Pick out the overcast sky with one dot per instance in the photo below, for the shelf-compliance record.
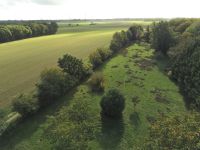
(97, 9)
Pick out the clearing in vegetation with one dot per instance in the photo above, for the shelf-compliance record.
(139, 77)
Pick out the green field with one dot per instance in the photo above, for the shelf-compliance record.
(125, 72)
(82, 26)
(22, 61)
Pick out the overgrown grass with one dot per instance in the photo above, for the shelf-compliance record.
(132, 79)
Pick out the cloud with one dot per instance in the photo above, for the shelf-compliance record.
(47, 2)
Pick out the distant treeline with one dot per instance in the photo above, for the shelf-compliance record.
(17, 31)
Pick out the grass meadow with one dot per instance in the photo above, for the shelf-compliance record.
(136, 73)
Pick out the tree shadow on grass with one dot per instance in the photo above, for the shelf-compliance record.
(135, 119)
(112, 131)
(27, 127)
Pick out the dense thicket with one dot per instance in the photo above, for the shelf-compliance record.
(99, 56)
(180, 132)
(12, 32)
(72, 65)
(161, 37)
(123, 38)
(54, 83)
(25, 104)
(72, 128)
(186, 69)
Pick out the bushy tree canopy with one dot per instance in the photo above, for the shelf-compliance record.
(53, 84)
(25, 104)
(72, 66)
(186, 69)
(161, 38)
(112, 103)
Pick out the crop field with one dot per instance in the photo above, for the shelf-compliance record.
(82, 26)
(135, 72)
(22, 61)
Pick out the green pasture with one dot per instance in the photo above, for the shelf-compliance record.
(135, 72)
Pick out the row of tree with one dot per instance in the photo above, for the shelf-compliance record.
(179, 39)
(14, 32)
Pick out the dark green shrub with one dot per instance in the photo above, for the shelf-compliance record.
(25, 104)
(161, 37)
(5, 34)
(147, 34)
(95, 59)
(72, 128)
(53, 84)
(72, 66)
(185, 69)
(116, 42)
(88, 68)
(194, 28)
(135, 32)
(112, 103)
(105, 53)
(179, 132)
(96, 82)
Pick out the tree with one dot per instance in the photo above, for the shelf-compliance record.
(105, 53)
(25, 104)
(5, 34)
(54, 84)
(136, 32)
(116, 42)
(185, 69)
(112, 103)
(147, 34)
(161, 38)
(53, 27)
(95, 59)
(72, 66)
(194, 28)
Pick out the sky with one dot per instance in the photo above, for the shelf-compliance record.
(97, 9)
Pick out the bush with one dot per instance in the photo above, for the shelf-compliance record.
(88, 68)
(161, 37)
(25, 104)
(73, 127)
(135, 32)
(99, 56)
(180, 132)
(185, 69)
(113, 103)
(72, 66)
(194, 28)
(54, 84)
(116, 42)
(105, 53)
(96, 82)
(95, 59)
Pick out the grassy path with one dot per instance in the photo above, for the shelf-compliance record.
(135, 73)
